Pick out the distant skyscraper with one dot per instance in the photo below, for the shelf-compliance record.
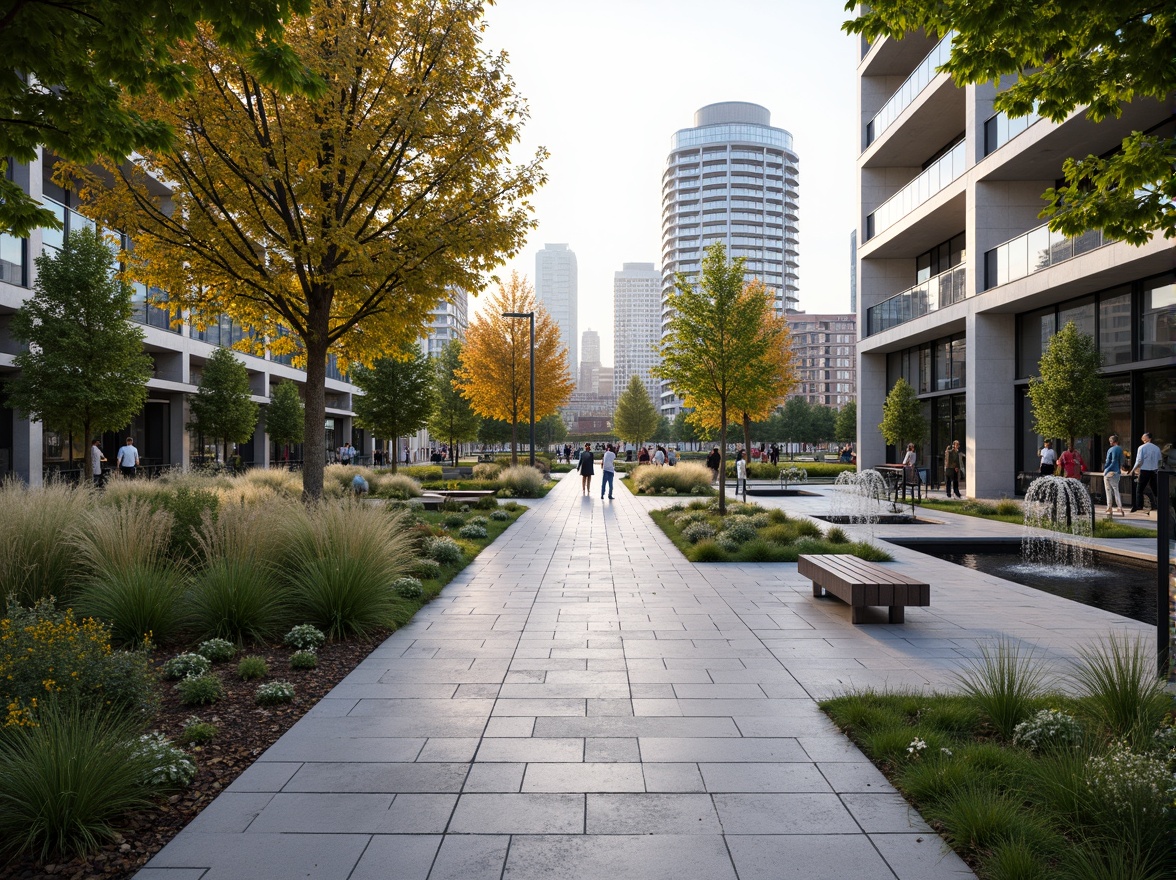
(448, 320)
(732, 178)
(555, 289)
(637, 295)
(590, 363)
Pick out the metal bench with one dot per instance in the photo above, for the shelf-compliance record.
(861, 584)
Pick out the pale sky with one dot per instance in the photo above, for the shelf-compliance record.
(609, 81)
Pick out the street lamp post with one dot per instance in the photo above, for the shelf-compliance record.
(530, 315)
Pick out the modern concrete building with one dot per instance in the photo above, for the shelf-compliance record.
(961, 287)
(637, 297)
(823, 346)
(178, 350)
(555, 289)
(731, 178)
(447, 322)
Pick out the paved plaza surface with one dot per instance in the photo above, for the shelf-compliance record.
(582, 702)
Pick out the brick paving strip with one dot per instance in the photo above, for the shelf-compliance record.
(582, 702)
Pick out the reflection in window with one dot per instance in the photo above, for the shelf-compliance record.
(1082, 314)
(1114, 327)
(1157, 331)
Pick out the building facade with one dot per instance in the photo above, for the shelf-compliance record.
(555, 290)
(178, 348)
(590, 363)
(961, 287)
(826, 365)
(637, 296)
(731, 178)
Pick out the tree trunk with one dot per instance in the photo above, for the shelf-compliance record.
(314, 457)
(747, 438)
(723, 459)
(395, 445)
(514, 441)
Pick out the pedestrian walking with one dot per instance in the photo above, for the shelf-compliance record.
(608, 471)
(659, 456)
(96, 459)
(1147, 462)
(128, 459)
(1048, 458)
(643, 456)
(713, 461)
(585, 467)
(346, 454)
(951, 468)
(1112, 469)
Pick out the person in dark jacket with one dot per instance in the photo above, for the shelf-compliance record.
(585, 467)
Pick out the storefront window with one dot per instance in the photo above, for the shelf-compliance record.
(1157, 331)
(1114, 327)
(1159, 411)
(1035, 331)
(1081, 314)
(959, 354)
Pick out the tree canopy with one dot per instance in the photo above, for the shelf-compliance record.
(70, 67)
(284, 416)
(332, 224)
(397, 397)
(495, 373)
(452, 419)
(1062, 56)
(84, 368)
(845, 427)
(635, 418)
(1069, 397)
(902, 416)
(223, 407)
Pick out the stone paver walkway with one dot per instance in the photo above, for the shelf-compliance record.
(582, 702)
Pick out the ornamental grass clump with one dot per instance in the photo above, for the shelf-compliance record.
(1121, 690)
(274, 693)
(140, 603)
(1005, 683)
(684, 478)
(396, 486)
(38, 559)
(236, 600)
(522, 481)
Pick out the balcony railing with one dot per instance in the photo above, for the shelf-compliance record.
(909, 90)
(1000, 129)
(1034, 251)
(935, 293)
(942, 172)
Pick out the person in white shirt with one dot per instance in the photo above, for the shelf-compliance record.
(96, 459)
(740, 472)
(1049, 458)
(608, 471)
(128, 458)
(1147, 462)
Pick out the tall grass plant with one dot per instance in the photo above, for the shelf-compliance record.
(37, 557)
(1005, 683)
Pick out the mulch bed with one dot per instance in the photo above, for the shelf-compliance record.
(245, 731)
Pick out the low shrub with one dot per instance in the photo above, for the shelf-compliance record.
(512, 506)
(303, 660)
(200, 690)
(522, 481)
(444, 550)
(187, 507)
(1048, 729)
(398, 486)
(486, 502)
(185, 666)
(423, 473)
(427, 569)
(236, 599)
(217, 650)
(65, 780)
(139, 602)
(698, 531)
(197, 732)
(408, 588)
(453, 521)
(836, 535)
(472, 532)
(683, 478)
(500, 515)
(305, 637)
(252, 667)
(739, 531)
(171, 766)
(274, 693)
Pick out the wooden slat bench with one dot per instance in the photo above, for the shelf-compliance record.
(860, 584)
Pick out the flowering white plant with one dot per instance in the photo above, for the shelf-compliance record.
(171, 765)
(1048, 728)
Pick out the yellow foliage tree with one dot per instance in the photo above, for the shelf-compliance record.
(495, 372)
(332, 224)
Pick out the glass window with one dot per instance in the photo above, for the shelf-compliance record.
(1081, 313)
(12, 259)
(924, 369)
(1157, 330)
(1036, 329)
(1114, 326)
(1159, 411)
(1119, 405)
(959, 350)
(942, 365)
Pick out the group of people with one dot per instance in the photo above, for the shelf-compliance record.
(587, 468)
(1070, 463)
(127, 461)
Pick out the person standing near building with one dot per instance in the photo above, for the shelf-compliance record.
(96, 459)
(585, 467)
(951, 468)
(128, 459)
(1147, 462)
(608, 471)
(659, 456)
(1072, 464)
(1048, 458)
(1112, 468)
(740, 471)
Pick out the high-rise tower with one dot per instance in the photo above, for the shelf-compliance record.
(731, 178)
(590, 363)
(637, 293)
(555, 289)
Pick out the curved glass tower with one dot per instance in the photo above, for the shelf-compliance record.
(731, 178)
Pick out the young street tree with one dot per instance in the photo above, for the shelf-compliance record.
(495, 373)
(1069, 398)
(223, 407)
(285, 418)
(397, 395)
(796, 420)
(550, 429)
(635, 418)
(332, 225)
(84, 369)
(902, 416)
(80, 59)
(1063, 56)
(717, 335)
(452, 418)
(845, 429)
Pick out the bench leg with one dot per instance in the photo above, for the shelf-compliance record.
(897, 613)
(857, 614)
(818, 590)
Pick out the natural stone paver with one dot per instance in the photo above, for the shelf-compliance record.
(582, 702)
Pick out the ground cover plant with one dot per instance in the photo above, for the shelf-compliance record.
(1009, 511)
(750, 533)
(1029, 775)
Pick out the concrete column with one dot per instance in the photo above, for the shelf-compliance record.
(180, 446)
(872, 391)
(990, 462)
(28, 451)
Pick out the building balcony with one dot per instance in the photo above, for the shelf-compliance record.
(1035, 251)
(902, 98)
(931, 181)
(937, 292)
(1000, 129)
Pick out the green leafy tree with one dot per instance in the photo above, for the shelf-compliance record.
(452, 419)
(682, 430)
(223, 407)
(284, 417)
(902, 416)
(83, 368)
(636, 419)
(1069, 397)
(550, 429)
(79, 60)
(717, 337)
(1063, 56)
(822, 423)
(795, 418)
(845, 429)
(495, 432)
(397, 394)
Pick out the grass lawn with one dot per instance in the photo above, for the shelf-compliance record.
(1009, 511)
(1027, 782)
(750, 533)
